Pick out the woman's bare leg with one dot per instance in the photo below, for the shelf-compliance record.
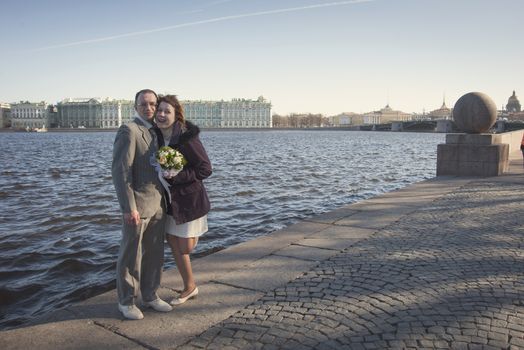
(181, 248)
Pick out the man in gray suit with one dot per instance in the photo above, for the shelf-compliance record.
(140, 195)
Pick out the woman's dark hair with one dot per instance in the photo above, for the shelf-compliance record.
(173, 101)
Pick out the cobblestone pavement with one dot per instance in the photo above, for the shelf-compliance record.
(449, 275)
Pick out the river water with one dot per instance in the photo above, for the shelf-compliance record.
(60, 222)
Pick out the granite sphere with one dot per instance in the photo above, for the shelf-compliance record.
(475, 113)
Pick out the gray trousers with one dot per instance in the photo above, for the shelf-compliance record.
(141, 259)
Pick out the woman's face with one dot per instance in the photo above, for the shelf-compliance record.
(165, 115)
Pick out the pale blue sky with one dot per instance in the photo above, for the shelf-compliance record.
(316, 56)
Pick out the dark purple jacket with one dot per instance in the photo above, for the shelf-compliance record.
(189, 200)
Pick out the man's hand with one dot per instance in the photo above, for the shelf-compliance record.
(132, 218)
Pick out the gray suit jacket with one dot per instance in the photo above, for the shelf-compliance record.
(135, 179)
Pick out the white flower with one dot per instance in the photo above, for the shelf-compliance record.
(170, 160)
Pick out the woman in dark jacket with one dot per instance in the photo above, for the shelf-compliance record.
(189, 201)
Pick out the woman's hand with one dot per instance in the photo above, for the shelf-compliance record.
(171, 173)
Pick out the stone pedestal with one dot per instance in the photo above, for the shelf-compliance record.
(472, 155)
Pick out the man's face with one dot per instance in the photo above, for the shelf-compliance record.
(146, 105)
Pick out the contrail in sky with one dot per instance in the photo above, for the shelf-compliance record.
(205, 21)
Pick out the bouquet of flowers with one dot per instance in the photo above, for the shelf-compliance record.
(171, 161)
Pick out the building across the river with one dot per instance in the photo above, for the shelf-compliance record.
(110, 113)
(513, 110)
(382, 116)
(442, 113)
(346, 119)
(30, 115)
(94, 113)
(237, 113)
(5, 115)
(386, 115)
(513, 105)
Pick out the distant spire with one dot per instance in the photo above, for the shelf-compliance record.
(444, 101)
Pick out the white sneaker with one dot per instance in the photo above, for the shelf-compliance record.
(159, 305)
(131, 312)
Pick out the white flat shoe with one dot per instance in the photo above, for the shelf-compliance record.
(192, 295)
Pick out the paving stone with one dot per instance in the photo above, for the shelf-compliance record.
(267, 273)
(332, 216)
(517, 342)
(270, 347)
(459, 346)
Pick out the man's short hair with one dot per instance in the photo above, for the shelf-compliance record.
(144, 91)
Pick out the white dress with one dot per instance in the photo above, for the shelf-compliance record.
(195, 228)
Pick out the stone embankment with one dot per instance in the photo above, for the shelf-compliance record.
(436, 265)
